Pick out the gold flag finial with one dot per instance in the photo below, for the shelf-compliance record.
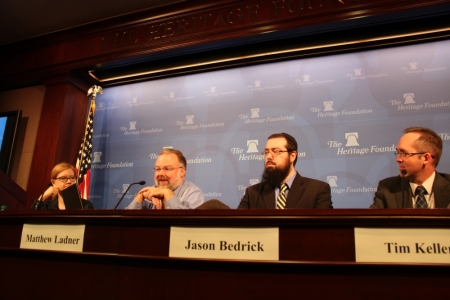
(94, 90)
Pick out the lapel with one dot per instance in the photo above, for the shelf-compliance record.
(296, 190)
(268, 195)
(441, 190)
(407, 197)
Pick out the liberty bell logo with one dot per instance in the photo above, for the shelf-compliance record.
(352, 139)
(328, 106)
(252, 146)
(332, 181)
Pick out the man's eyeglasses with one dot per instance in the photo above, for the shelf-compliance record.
(402, 154)
(165, 169)
(274, 152)
(65, 179)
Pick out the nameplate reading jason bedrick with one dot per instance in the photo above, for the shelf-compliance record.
(224, 243)
(53, 237)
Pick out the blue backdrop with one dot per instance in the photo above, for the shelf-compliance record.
(346, 112)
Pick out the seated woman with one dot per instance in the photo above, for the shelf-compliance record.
(63, 176)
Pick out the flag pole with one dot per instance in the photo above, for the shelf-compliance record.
(83, 164)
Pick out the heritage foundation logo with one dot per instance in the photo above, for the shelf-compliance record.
(252, 146)
(409, 103)
(328, 106)
(135, 102)
(445, 136)
(97, 156)
(415, 68)
(306, 81)
(104, 105)
(259, 87)
(124, 189)
(358, 74)
(255, 113)
(132, 130)
(332, 181)
(352, 144)
(328, 111)
(252, 150)
(254, 117)
(172, 97)
(190, 119)
(190, 124)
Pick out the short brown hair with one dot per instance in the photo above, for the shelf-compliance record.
(291, 143)
(429, 141)
(61, 167)
(178, 153)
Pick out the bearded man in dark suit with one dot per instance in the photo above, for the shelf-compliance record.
(282, 186)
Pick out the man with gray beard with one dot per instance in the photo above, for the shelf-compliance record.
(282, 187)
(171, 191)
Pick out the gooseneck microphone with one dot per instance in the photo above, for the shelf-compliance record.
(42, 196)
(403, 187)
(142, 182)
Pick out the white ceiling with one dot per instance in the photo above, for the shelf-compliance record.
(23, 19)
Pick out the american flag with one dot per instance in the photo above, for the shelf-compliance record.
(84, 156)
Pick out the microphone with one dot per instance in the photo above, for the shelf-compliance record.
(403, 186)
(42, 196)
(264, 177)
(142, 182)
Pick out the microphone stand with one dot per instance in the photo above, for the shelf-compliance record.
(140, 182)
(42, 196)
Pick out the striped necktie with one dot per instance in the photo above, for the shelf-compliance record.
(281, 200)
(421, 202)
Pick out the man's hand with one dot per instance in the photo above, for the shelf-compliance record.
(158, 195)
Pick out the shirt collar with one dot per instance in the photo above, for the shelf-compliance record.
(290, 180)
(427, 184)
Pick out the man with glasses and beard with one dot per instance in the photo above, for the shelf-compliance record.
(171, 191)
(418, 185)
(282, 187)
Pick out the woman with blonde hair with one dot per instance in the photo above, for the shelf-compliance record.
(63, 175)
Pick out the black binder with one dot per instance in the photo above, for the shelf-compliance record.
(72, 199)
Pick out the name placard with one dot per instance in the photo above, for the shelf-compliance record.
(53, 237)
(420, 245)
(224, 243)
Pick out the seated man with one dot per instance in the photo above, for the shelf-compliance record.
(282, 186)
(418, 185)
(171, 191)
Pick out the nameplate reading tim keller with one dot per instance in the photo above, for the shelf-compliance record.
(53, 237)
(403, 245)
(224, 243)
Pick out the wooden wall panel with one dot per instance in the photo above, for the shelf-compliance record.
(61, 128)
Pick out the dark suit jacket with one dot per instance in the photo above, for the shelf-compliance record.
(53, 204)
(304, 193)
(389, 192)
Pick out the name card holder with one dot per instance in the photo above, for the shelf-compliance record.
(53, 237)
(225, 243)
(402, 245)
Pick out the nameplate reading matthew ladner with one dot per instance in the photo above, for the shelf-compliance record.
(53, 237)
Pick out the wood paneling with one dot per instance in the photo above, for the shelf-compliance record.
(60, 131)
